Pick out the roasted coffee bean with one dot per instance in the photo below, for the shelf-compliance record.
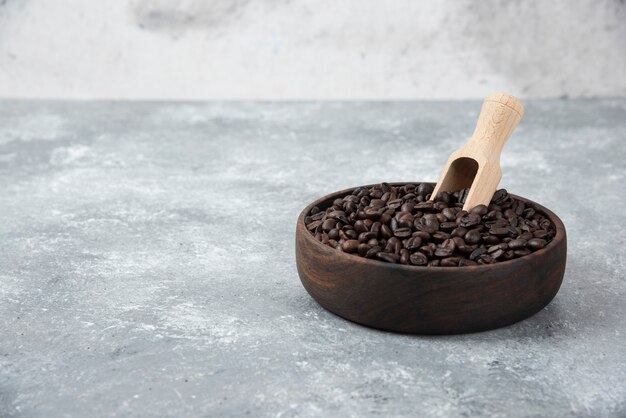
(418, 259)
(429, 250)
(489, 239)
(424, 189)
(466, 249)
(425, 206)
(479, 210)
(408, 207)
(440, 236)
(477, 253)
(516, 244)
(393, 245)
(371, 253)
(363, 249)
(447, 226)
(311, 226)
(359, 226)
(499, 231)
(500, 196)
(450, 262)
(472, 236)
(469, 220)
(449, 213)
(495, 251)
(446, 248)
(536, 243)
(366, 236)
(404, 256)
(443, 197)
(388, 257)
(395, 223)
(350, 246)
(522, 252)
(403, 232)
(414, 243)
(459, 232)
(385, 231)
(457, 241)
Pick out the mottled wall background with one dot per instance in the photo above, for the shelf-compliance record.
(311, 49)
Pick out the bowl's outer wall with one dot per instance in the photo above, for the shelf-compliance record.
(435, 300)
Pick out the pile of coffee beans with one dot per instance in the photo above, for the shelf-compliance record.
(401, 224)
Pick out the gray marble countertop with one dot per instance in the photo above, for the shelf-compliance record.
(147, 262)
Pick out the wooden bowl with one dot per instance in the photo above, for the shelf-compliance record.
(429, 300)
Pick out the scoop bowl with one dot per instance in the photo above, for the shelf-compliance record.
(429, 300)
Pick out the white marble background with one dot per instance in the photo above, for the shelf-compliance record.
(311, 49)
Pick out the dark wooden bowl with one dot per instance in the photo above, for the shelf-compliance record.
(429, 300)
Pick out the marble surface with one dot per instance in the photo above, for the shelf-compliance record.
(311, 49)
(147, 262)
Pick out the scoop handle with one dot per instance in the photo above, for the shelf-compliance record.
(498, 118)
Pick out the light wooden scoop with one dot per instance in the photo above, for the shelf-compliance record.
(477, 163)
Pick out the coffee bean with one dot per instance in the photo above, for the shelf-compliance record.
(371, 253)
(477, 253)
(425, 206)
(459, 232)
(450, 262)
(424, 188)
(500, 196)
(403, 232)
(404, 256)
(311, 226)
(390, 258)
(414, 243)
(359, 226)
(393, 245)
(447, 226)
(516, 244)
(536, 243)
(350, 246)
(472, 236)
(440, 236)
(394, 223)
(366, 236)
(408, 207)
(469, 220)
(499, 231)
(363, 249)
(385, 231)
(449, 213)
(418, 259)
(489, 239)
(479, 210)
(522, 252)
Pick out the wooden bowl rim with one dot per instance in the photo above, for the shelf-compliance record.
(559, 237)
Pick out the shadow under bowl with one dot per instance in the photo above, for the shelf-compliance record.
(429, 300)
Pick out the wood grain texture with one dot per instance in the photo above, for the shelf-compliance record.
(498, 117)
(429, 300)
